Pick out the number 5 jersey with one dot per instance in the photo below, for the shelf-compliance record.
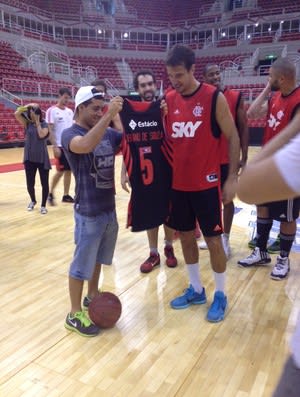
(145, 155)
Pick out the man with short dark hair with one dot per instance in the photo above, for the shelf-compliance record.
(148, 171)
(197, 116)
(60, 117)
(90, 147)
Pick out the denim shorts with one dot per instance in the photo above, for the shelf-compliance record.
(95, 240)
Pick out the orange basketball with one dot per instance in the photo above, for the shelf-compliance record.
(105, 309)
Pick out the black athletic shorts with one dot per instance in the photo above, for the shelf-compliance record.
(224, 173)
(284, 211)
(205, 206)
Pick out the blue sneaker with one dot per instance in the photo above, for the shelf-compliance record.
(190, 297)
(218, 308)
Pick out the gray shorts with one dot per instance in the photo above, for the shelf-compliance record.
(95, 240)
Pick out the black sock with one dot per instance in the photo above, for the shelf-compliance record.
(286, 242)
(264, 226)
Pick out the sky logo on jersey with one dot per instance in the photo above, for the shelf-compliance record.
(132, 124)
(181, 129)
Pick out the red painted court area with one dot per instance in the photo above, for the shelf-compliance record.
(11, 167)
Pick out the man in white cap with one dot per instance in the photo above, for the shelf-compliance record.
(90, 147)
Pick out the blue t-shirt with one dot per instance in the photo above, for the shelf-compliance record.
(94, 172)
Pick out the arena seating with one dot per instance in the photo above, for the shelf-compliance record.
(19, 80)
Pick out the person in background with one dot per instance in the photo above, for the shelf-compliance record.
(36, 157)
(149, 201)
(279, 111)
(212, 75)
(60, 117)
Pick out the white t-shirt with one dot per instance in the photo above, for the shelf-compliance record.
(61, 119)
(287, 161)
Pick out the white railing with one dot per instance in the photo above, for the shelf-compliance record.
(14, 99)
(33, 88)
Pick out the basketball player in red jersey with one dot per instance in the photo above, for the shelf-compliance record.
(197, 116)
(156, 192)
(212, 75)
(279, 110)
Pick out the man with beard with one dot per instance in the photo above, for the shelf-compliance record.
(281, 108)
(90, 147)
(146, 170)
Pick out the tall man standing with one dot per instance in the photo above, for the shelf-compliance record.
(212, 75)
(148, 171)
(60, 117)
(197, 113)
(282, 107)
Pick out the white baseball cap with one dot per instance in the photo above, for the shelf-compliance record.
(86, 93)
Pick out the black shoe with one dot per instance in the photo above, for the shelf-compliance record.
(51, 199)
(86, 302)
(67, 199)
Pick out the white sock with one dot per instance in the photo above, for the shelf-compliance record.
(154, 251)
(220, 281)
(168, 243)
(226, 236)
(194, 276)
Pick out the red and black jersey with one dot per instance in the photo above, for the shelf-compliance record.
(195, 138)
(281, 110)
(144, 148)
(233, 99)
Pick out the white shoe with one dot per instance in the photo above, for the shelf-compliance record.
(44, 210)
(202, 245)
(226, 246)
(31, 206)
(257, 257)
(281, 268)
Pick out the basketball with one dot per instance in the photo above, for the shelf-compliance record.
(105, 309)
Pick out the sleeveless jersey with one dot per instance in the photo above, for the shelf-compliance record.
(233, 99)
(148, 170)
(281, 110)
(195, 138)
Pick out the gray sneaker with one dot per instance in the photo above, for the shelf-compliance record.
(281, 268)
(31, 206)
(257, 257)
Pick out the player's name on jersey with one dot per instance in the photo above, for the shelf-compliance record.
(144, 136)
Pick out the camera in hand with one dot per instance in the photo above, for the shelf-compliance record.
(35, 109)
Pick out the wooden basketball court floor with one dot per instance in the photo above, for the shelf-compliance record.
(153, 350)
